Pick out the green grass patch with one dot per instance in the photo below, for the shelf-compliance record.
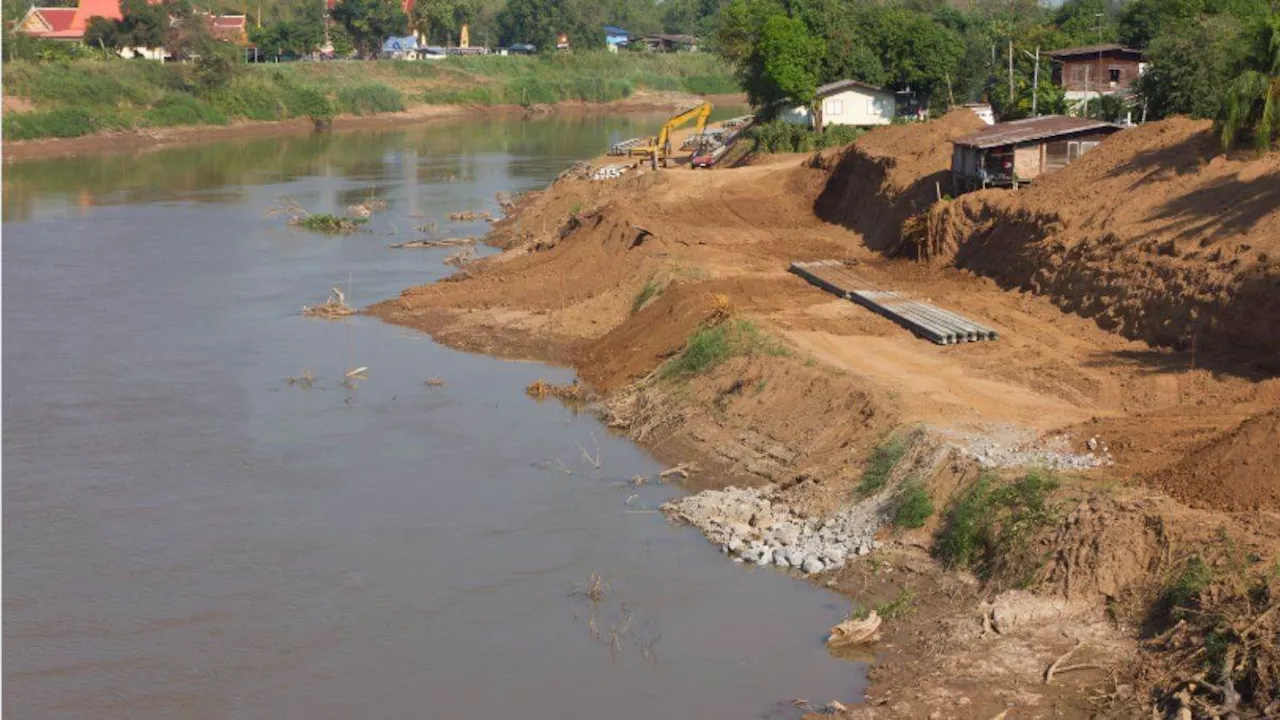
(777, 136)
(330, 224)
(59, 123)
(651, 290)
(884, 458)
(990, 527)
(711, 345)
(370, 99)
(178, 109)
(1182, 591)
(911, 506)
(899, 607)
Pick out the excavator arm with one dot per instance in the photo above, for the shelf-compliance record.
(701, 112)
(661, 147)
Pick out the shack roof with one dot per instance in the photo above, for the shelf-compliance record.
(1087, 50)
(614, 30)
(1039, 128)
(832, 88)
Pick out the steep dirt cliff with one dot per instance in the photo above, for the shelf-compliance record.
(1155, 235)
(888, 175)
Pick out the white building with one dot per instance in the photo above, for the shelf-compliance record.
(983, 111)
(845, 102)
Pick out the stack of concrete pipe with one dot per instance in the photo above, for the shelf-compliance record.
(924, 319)
(624, 147)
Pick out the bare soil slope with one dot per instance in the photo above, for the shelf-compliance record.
(1237, 471)
(616, 277)
(1153, 236)
(888, 175)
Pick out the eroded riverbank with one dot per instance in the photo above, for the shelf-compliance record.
(669, 293)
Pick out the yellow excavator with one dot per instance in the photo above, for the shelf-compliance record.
(658, 149)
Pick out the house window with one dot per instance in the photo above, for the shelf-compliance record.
(834, 107)
(1114, 74)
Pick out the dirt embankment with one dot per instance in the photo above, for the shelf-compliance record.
(889, 175)
(1155, 236)
(623, 280)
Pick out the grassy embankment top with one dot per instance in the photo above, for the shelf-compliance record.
(88, 96)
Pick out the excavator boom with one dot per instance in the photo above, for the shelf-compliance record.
(660, 148)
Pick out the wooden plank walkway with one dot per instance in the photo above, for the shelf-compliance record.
(924, 319)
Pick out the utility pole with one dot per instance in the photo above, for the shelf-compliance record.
(1011, 72)
(1035, 86)
(1099, 16)
(1086, 91)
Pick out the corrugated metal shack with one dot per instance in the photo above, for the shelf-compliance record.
(1015, 153)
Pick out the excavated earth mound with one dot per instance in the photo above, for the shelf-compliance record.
(888, 175)
(1154, 235)
(1239, 471)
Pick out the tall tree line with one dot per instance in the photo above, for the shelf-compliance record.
(1207, 58)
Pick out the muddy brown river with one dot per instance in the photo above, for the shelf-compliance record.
(187, 535)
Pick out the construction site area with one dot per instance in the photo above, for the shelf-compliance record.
(1075, 384)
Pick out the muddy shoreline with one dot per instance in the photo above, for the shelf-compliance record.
(153, 139)
(615, 280)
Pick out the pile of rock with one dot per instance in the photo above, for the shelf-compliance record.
(609, 172)
(749, 525)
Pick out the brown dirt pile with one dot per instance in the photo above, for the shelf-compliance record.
(888, 175)
(1153, 236)
(1238, 471)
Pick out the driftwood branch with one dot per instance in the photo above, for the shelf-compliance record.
(1053, 667)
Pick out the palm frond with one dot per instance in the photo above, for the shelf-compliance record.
(1268, 127)
(1244, 96)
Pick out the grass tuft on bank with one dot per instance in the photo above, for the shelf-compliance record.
(991, 527)
(884, 458)
(711, 345)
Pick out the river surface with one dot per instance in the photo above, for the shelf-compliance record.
(188, 535)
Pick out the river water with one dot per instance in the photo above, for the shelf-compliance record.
(186, 534)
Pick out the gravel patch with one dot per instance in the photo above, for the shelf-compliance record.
(1018, 447)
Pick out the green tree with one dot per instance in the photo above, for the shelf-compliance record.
(343, 45)
(441, 21)
(785, 64)
(101, 33)
(1143, 20)
(216, 65)
(1190, 66)
(1087, 22)
(186, 32)
(141, 25)
(540, 21)
(369, 22)
(1049, 99)
(916, 52)
(849, 52)
(738, 26)
(1252, 103)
